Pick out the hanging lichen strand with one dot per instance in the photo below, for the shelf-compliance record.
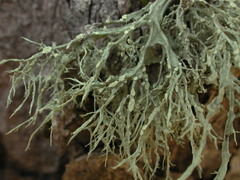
(145, 72)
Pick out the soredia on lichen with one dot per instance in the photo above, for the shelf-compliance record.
(145, 72)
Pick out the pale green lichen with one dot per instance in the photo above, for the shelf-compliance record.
(145, 87)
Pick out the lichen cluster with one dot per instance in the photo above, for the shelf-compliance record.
(145, 72)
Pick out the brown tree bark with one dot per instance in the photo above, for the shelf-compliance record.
(59, 21)
(40, 21)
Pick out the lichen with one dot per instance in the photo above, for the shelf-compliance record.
(145, 72)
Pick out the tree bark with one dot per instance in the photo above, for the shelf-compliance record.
(59, 21)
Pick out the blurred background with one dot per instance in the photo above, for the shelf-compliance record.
(59, 21)
(38, 20)
(44, 21)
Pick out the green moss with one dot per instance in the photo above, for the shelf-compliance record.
(145, 87)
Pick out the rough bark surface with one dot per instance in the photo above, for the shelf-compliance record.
(59, 21)
(38, 21)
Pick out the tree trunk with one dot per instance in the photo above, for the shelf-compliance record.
(59, 21)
